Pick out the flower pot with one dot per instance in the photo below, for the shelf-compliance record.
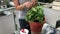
(36, 27)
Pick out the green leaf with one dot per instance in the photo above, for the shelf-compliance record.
(35, 13)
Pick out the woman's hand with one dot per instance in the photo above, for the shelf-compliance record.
(28, 4)
(34, 2)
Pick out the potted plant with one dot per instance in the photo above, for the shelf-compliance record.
(36, 18)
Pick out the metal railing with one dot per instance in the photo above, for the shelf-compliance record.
(7, 9)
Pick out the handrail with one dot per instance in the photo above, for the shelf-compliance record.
(7, 9)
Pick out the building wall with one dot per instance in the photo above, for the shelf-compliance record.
(7, 25)
(52, 16)
(57, 0)
(56, 7)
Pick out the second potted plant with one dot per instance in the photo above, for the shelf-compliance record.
(36, 18)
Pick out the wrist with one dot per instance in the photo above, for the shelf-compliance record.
(23, 5)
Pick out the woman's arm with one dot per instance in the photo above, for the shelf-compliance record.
(17, 6)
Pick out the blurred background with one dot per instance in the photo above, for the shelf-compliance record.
(9, 15)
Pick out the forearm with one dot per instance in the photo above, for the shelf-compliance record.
(17, 6)
(20, 7)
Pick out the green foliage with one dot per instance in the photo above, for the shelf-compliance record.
(6, 2)
(35, 14)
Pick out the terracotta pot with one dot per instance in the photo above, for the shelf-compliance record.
(36, 26)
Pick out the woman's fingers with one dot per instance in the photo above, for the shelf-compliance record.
(28, 4)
